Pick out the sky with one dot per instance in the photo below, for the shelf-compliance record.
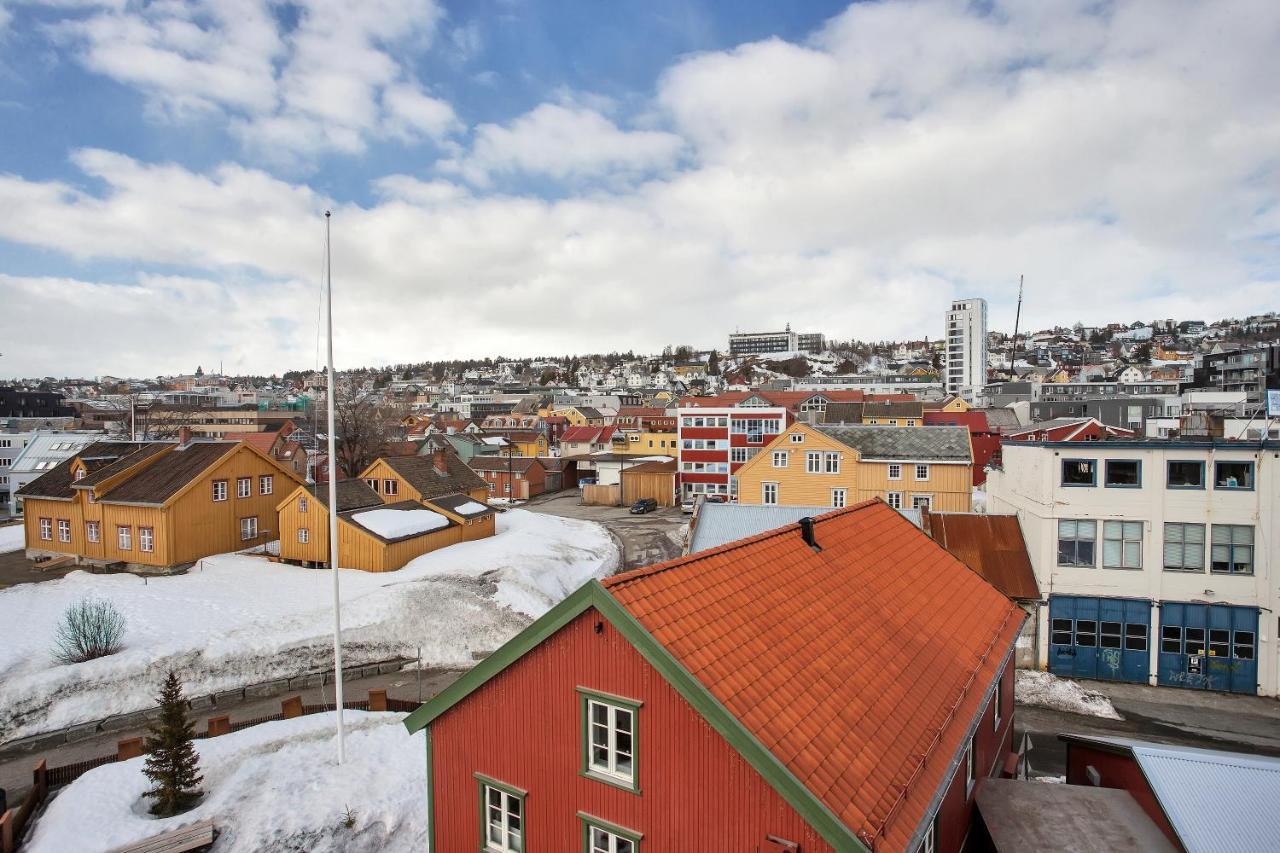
(525, 178)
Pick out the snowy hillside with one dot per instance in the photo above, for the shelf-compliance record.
(235, 620)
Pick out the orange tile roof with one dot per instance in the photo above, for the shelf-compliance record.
(263, 441)
(860, 667)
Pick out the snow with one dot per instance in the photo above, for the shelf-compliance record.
(469, 507)
(979, 499)
(12, 538)
(235, 619)
(394, 523)
(275, 786)
(1061, 694)
(653, 459)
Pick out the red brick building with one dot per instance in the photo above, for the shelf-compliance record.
(738, 699)
(516, 477)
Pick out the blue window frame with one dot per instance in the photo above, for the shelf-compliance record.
(1184, 474)
(1233, 475)
(1079, 472)
(1123, 474)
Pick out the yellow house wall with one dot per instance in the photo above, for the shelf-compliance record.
(316, 522)
(649, 444)
(79, 511)
(877, 421)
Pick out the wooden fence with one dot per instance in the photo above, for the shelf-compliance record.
(15, 821)
(596, 495)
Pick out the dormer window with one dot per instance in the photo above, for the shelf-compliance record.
(80, 474)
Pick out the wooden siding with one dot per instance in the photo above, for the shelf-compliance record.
(697, 793)
(109, 517)
(380, 470)
(315, 521)
(657, 485)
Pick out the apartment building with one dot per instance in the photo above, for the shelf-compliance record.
(965, 363)
(1157, 558)
(758, 343)
(716, 441)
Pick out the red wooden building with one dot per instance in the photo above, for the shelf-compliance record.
(516, 477)
(984, 438)
(839, 684)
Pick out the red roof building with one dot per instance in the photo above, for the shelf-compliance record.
(984, 438)
(840, 684)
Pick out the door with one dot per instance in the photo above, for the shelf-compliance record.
(1103, 638)
(1208, 647)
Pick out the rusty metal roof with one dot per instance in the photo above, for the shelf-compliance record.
(991, 545)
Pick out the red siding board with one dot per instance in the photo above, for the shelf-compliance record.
(704, 455)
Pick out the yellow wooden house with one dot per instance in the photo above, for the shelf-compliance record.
(826, 465)
(155, 506)
(419, 478)
(636, 442)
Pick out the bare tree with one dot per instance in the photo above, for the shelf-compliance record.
(364, 426)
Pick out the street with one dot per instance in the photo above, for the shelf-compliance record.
(645, 539)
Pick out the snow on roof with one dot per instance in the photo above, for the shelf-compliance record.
(470, 507)
(399, 523)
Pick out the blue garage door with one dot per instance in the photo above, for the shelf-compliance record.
(1105, 638)
(1208, 646)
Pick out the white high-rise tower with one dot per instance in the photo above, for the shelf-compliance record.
(964, 370)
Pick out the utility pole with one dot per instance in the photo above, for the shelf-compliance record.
(333, 505)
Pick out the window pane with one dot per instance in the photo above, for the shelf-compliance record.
(1186, 474)
(1195, 641)
(1135, 637)
(1086, 632)
(1244, 643)
(1171, 639)
(1123, 472)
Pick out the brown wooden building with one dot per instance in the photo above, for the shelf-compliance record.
(516, 477)
(419, 478)
(655, 480)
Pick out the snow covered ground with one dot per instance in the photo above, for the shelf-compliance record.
(276, 786)
(1061, 694)
(235, 619)
(12, 538)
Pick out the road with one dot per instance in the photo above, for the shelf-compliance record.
(645, 539)
(1187, 717)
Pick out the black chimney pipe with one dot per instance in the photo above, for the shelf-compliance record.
(806, 531)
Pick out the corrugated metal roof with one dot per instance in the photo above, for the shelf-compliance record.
(1217, 802)
(991, 545)
(718, 524)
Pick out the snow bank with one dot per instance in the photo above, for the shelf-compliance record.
(276, 786)
(235, 620)
(12, 538)
(394, 523)
(469, 507)
(1061, 694)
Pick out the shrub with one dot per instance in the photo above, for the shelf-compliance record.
(90, 629)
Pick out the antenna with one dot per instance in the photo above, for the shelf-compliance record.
(1017, 318)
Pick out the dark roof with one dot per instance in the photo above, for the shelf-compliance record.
(352, 494)
(895, 409)
(398, 506)
(503, 463)
(843, 413)
(652, 468)
(1029, 815)
(420, 472)
(991, 545)
(101, 472)
(165, 477)
(56, 482)
(452, 502)
(1001, 418)
(935, 443)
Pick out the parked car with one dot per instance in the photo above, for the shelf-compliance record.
(643, 505)
(687, 505)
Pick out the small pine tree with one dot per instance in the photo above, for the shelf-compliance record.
(172, 763)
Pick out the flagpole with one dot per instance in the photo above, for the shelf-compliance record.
(333, 504)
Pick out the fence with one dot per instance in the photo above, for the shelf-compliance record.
(14, 822)
(596, 495)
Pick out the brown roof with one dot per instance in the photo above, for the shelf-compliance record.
(352, 494)
(165, 477)
(652, 468)
(399, 506)
(503, 463)
(843, 413)
(420, 472)
(101, 473)
(897, 409)
(56, 482)
(263, 441)
(991, 545)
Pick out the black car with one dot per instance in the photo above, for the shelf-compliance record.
(643, 505)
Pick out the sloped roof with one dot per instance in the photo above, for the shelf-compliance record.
(57, 482)
(519, 464)
(98, 472)
(454, 503)
(653, 466)
(718, 524)
(927, 444)
(352, 518)
(975, 420)
(843, 413)
(352, 494)
(865, 698)
(991, 545)
(587, 433)
(263, 441)
(165, 477)
(420, 472)
(894, 409)
(1000, 418)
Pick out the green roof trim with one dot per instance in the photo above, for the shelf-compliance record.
(592, 594)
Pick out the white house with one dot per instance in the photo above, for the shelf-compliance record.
(1158, 559)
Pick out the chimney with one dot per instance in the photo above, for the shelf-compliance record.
(438, 462)
(184, 436)
(806, 532)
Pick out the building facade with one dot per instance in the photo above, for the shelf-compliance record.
(964, 370)
(716, 441)
(760, 343)
(1157, 558)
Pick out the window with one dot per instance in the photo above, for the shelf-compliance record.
(244, 487)
(831, 462)
(1135, 636)
(503, 817)
(219, 490)
(779, 459)
(769, 493)
(1243, 647)
(922, 472)
(46, 529)
(1219, 643)
(971, 764)
(741, 454)
(839, 498)
(80, 475)
(1233, 475)
(895, 471)
(146, 539)
(602, 837)
(372, 483)
(995, 704)
(1079, 472)
(1086, 632)
(924, 502)
(797, 438)
(390, 487)
(304, 535)
(1122, 544)
(302, 504)
(1232, 549)
(1123, 474)
(1076, 540)
(248, 528)
(813, 462)
(1171, 639)
(609, 739)
(1182, 474)
(1060, 632)
(893, 499)
(124, 537)
(64, 530)
(1109, 636)
(1184, 547)
(266, 483)
(929, 844)
(92, 532)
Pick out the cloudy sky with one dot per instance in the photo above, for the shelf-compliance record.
(553, 177)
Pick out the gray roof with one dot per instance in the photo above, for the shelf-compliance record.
(718, 524)
(1216, 801)
(1001, 417)
(924, 444)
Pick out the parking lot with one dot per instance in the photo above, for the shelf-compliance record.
(645, 539)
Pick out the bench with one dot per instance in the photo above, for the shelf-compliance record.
(194, 836)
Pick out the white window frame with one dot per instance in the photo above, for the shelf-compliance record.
(304, 536)
(995, 703)
(46, 529)
(813, 462)
(266, 484)
(124, 537)
(780, 458)
(64, 530)
(797, 438)
(390, 486)
(372, 482)
(219, 490)
(831, 462)
(766, 491)
(248, 525)
(922, 502)
(839, 498)
(893, 499)
(303, 504)
(146, 539)
(611, 842)
(971, 765)
(505, 811)
(244, 487)
(92, 532)
(895, 470)
(921, 467)
(611, 728)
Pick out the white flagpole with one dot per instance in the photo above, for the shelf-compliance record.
(333, 506)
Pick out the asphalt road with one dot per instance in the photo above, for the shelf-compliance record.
(645, 539)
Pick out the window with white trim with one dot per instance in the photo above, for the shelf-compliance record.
(769, 494)
(611, 737)
(929, 844)
(146, 539)
(893, 499)
(124, 537)
(92, 532)
(831, 462)
(1122, 544)
(971, 764)
(372, 483)
(244, 487)
(922, 502)
(813, 462)
(64, 530)
(602, 840)
(248, 528)
(390, 487)
(780, 458)
(219, 490)
(995, 703)
(503, 820)
(302, 504)
(797, 438)
(839, 498)
(895, 471)
(304, 536)
(46, 529)
(922, 472)
(266, 484)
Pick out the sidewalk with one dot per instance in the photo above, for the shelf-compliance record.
(16, 765)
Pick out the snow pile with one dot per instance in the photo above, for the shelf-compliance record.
(276, 786)
(979, 500)
(469, 507)
(235, 620)
(12, 538)
(395, 523)
(1061, 694)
